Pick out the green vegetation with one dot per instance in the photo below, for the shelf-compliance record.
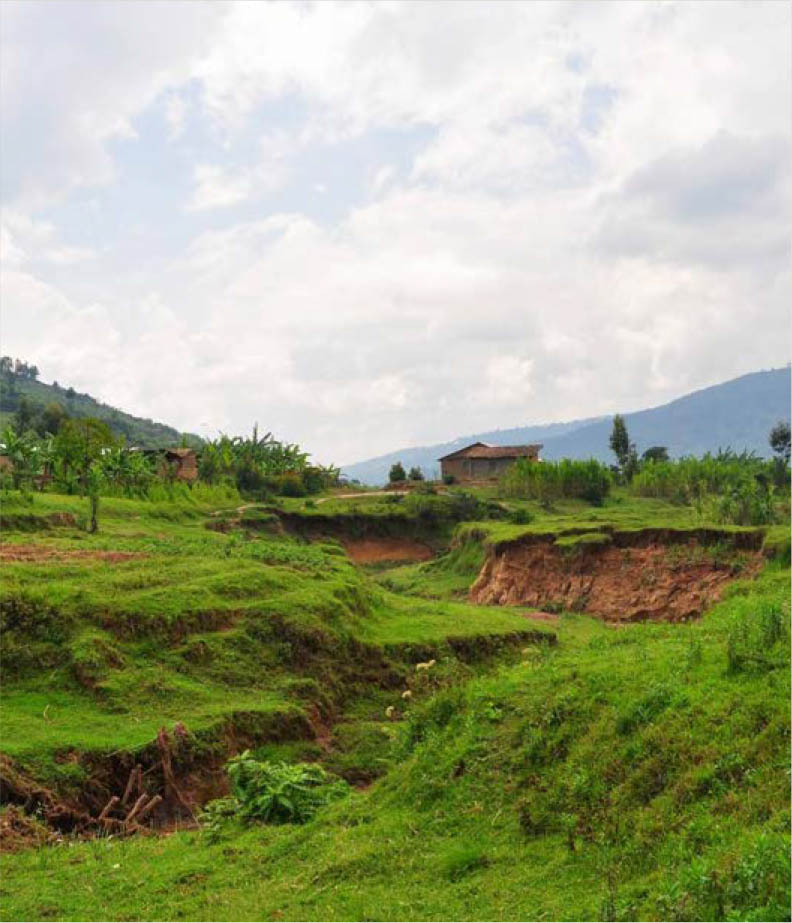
(397, 473)
(728, 488)
(41, 407)
(272, 793)
(510, 767)
(550, 481)
(261, 466)
(619, 775)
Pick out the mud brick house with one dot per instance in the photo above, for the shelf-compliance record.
(482, 462)
(181, 463)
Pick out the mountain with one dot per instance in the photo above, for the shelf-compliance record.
(375, 470)
(737, 414)
(136, 430)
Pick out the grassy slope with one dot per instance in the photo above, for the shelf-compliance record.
(624, 774)
(192, 626)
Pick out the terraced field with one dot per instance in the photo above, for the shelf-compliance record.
(518, 761)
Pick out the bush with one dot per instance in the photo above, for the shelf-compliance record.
(415, 474)
(290, 485)
(551, 481)
(273, 793)
(754, 638)
(741, 489)
(449, 479)
(520, 517)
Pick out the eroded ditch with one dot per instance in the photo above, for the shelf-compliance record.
(643, 575)
(649, 574)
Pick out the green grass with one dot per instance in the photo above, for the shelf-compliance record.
(622, 775)
(191, 626)
(638, 773)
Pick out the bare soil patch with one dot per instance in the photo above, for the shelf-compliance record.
(541, 616)
(37, 554)
(375, 550)
(621, 584)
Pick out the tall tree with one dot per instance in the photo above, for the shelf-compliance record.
(397, 473)
(620, 441)
(780, 440)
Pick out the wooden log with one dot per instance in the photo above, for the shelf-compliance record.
(134, 778)
(147, 808)
(108, 807)
(136, 807)
(163, 744)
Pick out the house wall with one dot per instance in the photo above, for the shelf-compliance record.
(475, 469)
(183, 468)
(188, 468)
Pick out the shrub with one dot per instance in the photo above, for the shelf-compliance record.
(754, 637)
(449, 479)
(739, 489)
(551, 481)
(415, 474)
(520, 517)
(273, 792)
(290, 485)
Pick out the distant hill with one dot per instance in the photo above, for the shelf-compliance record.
(737, 414)
(136, 430)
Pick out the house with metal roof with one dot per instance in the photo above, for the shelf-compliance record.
(482, 462)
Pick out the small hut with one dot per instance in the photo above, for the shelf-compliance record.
(482, 462)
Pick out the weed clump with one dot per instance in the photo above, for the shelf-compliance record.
(272, 793)
(462, 860)
(755, 637)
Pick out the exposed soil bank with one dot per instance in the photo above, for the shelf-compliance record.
(357, 526)
(650, 575)
(375, 550)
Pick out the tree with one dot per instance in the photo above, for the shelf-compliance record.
(780, 440)
(397, 473)
(79, 444)
(655, 453)
(51, 419)
(23, 418)
(632, 466)
(93, 483)
(415, 474)
(620, 441)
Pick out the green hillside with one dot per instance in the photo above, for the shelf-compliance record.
(136, 430)
(484, 762)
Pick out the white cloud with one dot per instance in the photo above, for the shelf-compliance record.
(594, 213)
(74, 77)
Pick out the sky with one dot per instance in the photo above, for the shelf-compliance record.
(375, 225)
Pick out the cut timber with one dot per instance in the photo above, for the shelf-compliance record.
(148, 808)
(135, 808)
(108, 807)
(135, 782)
